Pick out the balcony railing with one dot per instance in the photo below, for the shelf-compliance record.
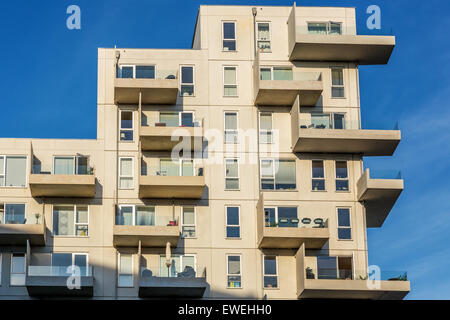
(161, 123)
(57, 271)
(155, 74)
(17, 229)
(80, 170)
(175, 171)
(385, 174)
(149, 220)
(343, 124)
(336, 274)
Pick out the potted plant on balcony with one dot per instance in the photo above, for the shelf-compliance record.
(309, 273)
(37, 216)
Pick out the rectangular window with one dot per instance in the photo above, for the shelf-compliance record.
(265, 127)
(234, 278)
(230, 88)
(62, 261)
(229, 36)
(276, 73)
(264, 36)
(328, 120)
(133, 215)
(333, 28)
(125, 72)
(344, 224)
(278, 174)
(180, 266)
(231, 127)
(337, 83)
(145, 72)
(174, 168)
(188, 222)
(136, 72)
(17, 276)
(126, 173)
(187, 81)
(12, 213)
(71, 221)
(282, 217)
(126, 125)
(231, 174)
(125, 278)
(70, 165)
(270, 272)
(341, 176)
(1, 269)
(13, 171)
(318, 175)
(233, 229)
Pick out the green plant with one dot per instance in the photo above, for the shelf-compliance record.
(37, 216)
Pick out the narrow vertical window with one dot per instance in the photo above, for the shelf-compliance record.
(337, 83)
(17, 276)
(126, 125)
(270, 272)
(14, 171)
(125, 173)
(233, 229)
(234, 279)
(2, 171)
(341, 176)
(229, 36)
(344, 224)
(264, 36)
(125, 278)
(187, 81)
(318, 175)
(1, 256)
(231, 174)
(265, 127)
(231, 127)
(188, 222)
(230, 81)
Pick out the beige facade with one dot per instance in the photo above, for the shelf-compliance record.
(116, 212)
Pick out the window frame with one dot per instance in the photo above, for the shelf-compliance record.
(4, 175)
(331, 118)
(189, 225)
(276, 214)
(269, 275)
(236, 131)
(73, 258)
(5, 203)
(235, 35)
(324, 176)
(341, 179)
(232, 225)
(134, 212)
(187, 84)
(1, 267)
(271, 71)
(265, 130)
(273, 160)
(328, 26)
(120, 66)
(337, 86)
(24, 273)
(234, 275)
(75, 224)
(230, 85)
(181, 256)
(76, 162)
(119, 263)
(122, 176)
(238, 174)
(180, 162)
(126, 129)
(344, 227)
(259, 40)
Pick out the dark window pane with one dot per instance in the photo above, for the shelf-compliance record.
(126, 135)
(326, 267)
(344, 233)
(341, 169)
(318, 185)
(187, 90)
(270, 265)
(317, 169)
(228, 30)
(145, 72)
(126, 120)
(233, 232)
(339, 121)
(342, 185)
(269, 216)
(270, 282)
(233, 216)
(62, 259)
(127, 72)
(187, 75)
(343, 217)
(187, 119)
(285, 216)
(229, 45)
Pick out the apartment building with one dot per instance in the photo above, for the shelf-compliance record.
(233, 169)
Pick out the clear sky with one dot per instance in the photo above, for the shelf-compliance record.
(48, 89)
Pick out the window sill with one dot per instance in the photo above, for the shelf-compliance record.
(234, 288)
(230, 96)
(344, 239)
(229, 50)
(271, 289)
(126, 141)
(187, 96)
(232, 190)
(341, 98)
(12, 187)
(343, 191)
(71, 237)
(266, 190)
(318, 190)
(227, 238)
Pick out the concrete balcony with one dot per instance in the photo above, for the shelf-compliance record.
(172, 287)
(51, 281)
(55, 185)
(308, 85)
(162, 89)
(149, 236)
(379, 194)
(18, 234)
(352, 288)
(163, 138)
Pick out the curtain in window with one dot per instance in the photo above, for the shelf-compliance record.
(16, 175)
(188, 215)
(282, 74)
(188, 168)
(320, 121)
(171, 119)
(285, 175)
(125, 216)
(145, 216)
(126, 173)
(317, 28)
(230, 121)
(234, 266)
(126, 270)
(266, 121)
(169, 167)
(263, 31)
(63, 221)
(64, 165)
(337, 77)
(15, 214)
(173, 270)
(2, 171)
(265, 74)
(232, 168)
(230, 88)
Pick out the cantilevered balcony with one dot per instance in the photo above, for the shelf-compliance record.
(52, 281)
(16, 229)
(283, 89)
(184, 285)
(379, 190)
(310, 136)
(161, 87)
(164, 136)
(170, 182)
(60, 185)
(347, 283)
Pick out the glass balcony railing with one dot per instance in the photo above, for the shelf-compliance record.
(59, 271)
(172, 120)
(145, 72)
(349, 274)
(288, 75)
(296, 223)
(385, 174)
(79, 170)
(173, 170)
(146, 218)
(337, 122)
(173, 271)
(17, 216)
(325, 28)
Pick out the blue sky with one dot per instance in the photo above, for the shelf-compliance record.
(49, 90)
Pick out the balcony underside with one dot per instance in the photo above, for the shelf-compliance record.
(284, 92)
(154, 91)
(293, 238)
(365, 50)
(72, 186)
(166, 138)
(150, 236)
(366, 142)
(353, 289)
(56, 286)
(153, 287)
(18, 234)
(171, 187)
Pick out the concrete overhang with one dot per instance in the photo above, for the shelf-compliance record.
(149, 236)
(150, 287)
(166, 138)
(56, 286)
(18, 234)
(154, 91)
(363, 49)
(284, 92)
(171, 187)
(365, 142)
(293, 238)
(55, 185)
(379, 197)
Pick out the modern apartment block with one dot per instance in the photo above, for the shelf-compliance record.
(271, 200)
